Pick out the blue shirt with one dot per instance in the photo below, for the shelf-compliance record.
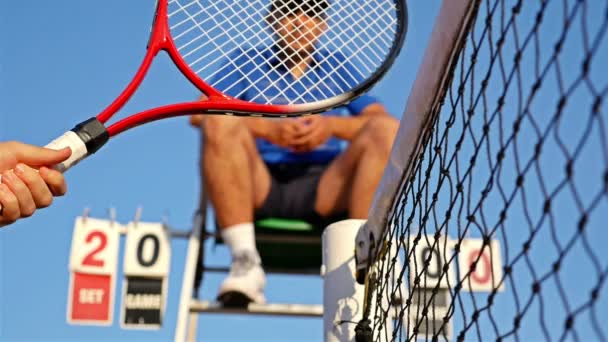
(273, 81)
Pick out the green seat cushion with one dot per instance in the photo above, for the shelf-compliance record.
(285, 224)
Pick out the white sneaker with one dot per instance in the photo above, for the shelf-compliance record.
(245, 283)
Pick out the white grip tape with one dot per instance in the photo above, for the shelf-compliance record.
(71, 140)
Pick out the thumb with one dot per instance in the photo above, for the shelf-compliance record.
(39, 156)
(306, 120)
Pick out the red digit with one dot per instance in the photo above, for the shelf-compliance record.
(484, 277)
(90, 259)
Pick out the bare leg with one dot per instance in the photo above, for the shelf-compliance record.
(351, 180)
(236, 178)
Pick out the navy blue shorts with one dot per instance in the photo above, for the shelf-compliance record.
(293, 192)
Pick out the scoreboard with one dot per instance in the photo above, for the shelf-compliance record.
(93, 269)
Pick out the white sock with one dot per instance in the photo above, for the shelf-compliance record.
(240, 237)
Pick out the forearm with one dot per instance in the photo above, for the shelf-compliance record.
(346, 128)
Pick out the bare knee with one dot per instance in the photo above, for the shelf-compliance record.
(224, 137)
(379, 133)
(218, 129)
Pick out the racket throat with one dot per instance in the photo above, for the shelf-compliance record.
(159, 40)
(83, 140)
(160, 34)
(92, 133)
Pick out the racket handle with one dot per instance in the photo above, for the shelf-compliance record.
(84, 139)
(71, 140)
(78, 147)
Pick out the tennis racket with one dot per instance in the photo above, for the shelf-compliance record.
(235, 52)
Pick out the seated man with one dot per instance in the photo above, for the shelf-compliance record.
(317, 168)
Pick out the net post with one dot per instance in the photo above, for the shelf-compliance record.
(343, 297)
(181, 330)
(433, 74)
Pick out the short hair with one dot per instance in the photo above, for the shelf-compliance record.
(312, 8)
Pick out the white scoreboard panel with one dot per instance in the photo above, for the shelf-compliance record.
(146, 267)
(93, 268)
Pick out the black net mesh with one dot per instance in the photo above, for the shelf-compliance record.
(501, 226)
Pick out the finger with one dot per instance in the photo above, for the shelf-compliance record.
(10, 205)
(288, 135)
(307, 120)
(314, 120)
(293, 127)
(21, 192)
(306, 126)
(296, 126)
(39, 156)
(315, 140)
(54, 180)
(38, 189)
(304, 138)
(304, 132)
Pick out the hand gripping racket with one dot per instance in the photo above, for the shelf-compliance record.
(236, 52)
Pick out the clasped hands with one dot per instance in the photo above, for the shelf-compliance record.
(302, 134)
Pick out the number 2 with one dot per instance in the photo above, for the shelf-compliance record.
(90, 259)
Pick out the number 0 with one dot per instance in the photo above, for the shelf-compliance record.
(155, 251)
(426, 252)
(487, 267)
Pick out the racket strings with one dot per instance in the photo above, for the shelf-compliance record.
(292, 12)
(314, 85)
(326, 95)
(267, 41)
(355, 43)
(198, 25)
(355, 54)
(364, 31)
(344, 44)
(284, 11)
(286, 57)
(339, 42)
(221, 57)
(331, 45)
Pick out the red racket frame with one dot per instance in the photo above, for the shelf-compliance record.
(161, 40)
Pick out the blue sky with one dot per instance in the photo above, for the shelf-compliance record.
(65, 62)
